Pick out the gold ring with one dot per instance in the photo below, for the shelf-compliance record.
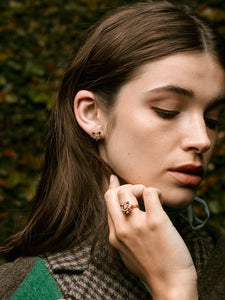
(127, 207)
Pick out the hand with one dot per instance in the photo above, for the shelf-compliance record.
(149, 244)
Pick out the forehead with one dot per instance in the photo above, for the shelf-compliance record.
(196, 72)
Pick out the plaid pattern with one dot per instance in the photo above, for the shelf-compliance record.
(78, 278)
(199, 243)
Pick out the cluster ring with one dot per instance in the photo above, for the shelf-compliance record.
(127, 207)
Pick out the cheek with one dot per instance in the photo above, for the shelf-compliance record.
(213, 138)
(134, 144)
(209, 153)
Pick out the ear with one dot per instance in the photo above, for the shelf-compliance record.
(87, 112)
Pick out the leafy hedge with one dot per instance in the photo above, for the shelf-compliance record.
(37, 39)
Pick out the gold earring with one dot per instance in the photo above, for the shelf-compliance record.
(96, 135)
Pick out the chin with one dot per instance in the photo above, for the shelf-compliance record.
(179, 200)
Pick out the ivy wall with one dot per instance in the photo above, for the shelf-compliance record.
(37, 38)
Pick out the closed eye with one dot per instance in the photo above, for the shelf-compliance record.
(164, 113)
(211, 123)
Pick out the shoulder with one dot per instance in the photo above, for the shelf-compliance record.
(13, 274)
(207, 250)
(78, 273)
(219, 245)
(212, 277)
(27, 278)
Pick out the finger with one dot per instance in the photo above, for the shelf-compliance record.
(112, 233)
(151, 197)
(136, 190)
(126, 197)
(113, 202)
(115, 197)
(110, 222)
(113, 205)
(113, 182)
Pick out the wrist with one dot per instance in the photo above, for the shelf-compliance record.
(184, 288)
(180, 291)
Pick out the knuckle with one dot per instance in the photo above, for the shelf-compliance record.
(131, 233)
(113, 240)
(108, 194)
(122, 234)
(156, 222)
(134, 186)
(150, 191)
(138, 229)
(140, 186)
(127, 186)
(122, 192)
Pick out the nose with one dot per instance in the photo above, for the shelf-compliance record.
(195, 136)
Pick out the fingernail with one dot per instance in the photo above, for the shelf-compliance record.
(112, 178)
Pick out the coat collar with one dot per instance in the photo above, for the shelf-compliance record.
(75, 259)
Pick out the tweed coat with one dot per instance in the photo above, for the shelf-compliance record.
(78, 278)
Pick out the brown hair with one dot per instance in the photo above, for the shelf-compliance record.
(69, 203)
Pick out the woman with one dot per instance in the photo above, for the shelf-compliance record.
(139, 104)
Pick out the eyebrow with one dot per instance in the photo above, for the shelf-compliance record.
(188, 93)
(174, 89)
(217, 102)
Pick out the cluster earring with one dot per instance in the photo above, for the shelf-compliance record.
(96, 135)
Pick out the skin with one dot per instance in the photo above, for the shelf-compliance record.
(142, 147)
(166, 267)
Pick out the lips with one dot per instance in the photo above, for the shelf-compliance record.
(189, 174)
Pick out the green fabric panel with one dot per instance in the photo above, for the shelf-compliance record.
(39, 285)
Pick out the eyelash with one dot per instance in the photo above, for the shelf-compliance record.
(166, 114)
(211, 123)
(170, 114)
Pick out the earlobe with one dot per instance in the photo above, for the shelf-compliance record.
(86, 112)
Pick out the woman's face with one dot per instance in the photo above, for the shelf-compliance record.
(166, 125)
